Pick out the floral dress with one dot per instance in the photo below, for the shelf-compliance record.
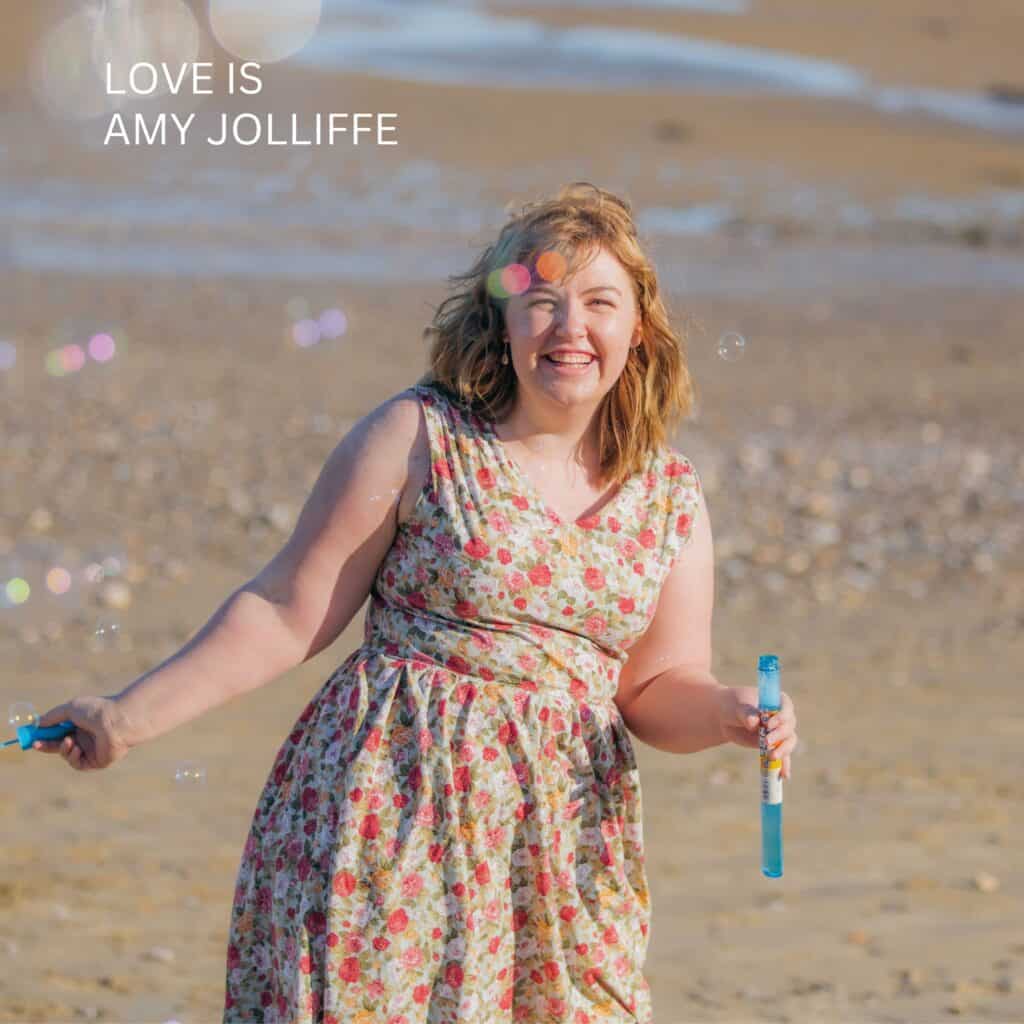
(452, 831)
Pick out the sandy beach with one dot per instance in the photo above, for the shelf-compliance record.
(862, 463)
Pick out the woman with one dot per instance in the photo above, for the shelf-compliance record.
(452, 831)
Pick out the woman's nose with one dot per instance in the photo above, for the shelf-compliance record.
(571, 320)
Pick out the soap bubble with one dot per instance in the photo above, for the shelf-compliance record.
(264, 30)
(21, 713)
(105, 635)
(190, 775)
(731, 346)
(333, 323)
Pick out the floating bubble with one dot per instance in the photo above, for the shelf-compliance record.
(58, 580)
(68, 68)
(190, 774)
(333, 324)
(16, 590)
(551, 265)
(101, 347)
(264, 30)
(297, 308)
(105, 635)
(731, 346)
(8, 355)
(66, 360)
(306, 333)
(37, 582)
(515, 279)
(495, 287)
(20, 713)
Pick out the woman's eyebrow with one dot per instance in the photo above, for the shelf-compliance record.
(596, 288)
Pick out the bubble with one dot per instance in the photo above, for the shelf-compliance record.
(8, 355)
(494, 284)
(333, 323)
(104, 563)
(190, 775)
(20, 713)
(65, 360)
(101, 347)
(306, 333)
(17, 590)
(264, 30)
(68, 66)
(515, 279)
(731, 346)
(105, 635)
(297, 308)
(551, 265)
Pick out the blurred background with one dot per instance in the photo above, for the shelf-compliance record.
(833, 195)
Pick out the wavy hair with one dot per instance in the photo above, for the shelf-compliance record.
(654, 392)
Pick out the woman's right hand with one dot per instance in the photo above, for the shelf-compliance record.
(99, 738)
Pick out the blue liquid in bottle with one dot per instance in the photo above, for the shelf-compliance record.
(769, 700)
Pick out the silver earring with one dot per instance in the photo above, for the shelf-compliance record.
(504, 356)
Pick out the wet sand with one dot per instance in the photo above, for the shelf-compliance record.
(863, 474)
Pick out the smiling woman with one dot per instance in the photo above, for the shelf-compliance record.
(603, 300)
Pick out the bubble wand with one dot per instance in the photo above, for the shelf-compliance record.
(769, 702)
(28, 734)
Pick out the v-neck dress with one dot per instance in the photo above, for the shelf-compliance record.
(452, 831)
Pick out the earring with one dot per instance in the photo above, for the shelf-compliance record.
(504, 356)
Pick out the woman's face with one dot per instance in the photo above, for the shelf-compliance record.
(595, 313)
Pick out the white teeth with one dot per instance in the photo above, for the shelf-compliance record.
(571, 360)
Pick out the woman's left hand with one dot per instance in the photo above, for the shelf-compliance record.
(740, 721)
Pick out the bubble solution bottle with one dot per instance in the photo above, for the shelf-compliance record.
(769, 702)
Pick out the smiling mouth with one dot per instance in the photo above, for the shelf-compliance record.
(556, 362)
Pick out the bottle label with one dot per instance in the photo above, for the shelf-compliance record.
(771, 767)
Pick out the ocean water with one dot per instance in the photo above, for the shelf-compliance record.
(462, 43)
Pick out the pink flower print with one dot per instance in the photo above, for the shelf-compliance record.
(593, 579)
(344, 883)
(398, 921)
(540, 575)
(369, 828)
(595, 625)
(461, 779)
(376, 800)
(411, 957)
(444, 544)
(626, 605)
(425, 740)
(647, 538)
(499, 522)
(412, 885)
(425, 815)
(683, 525)
(349, 969)
(527, 662)
(476, 548)
(515, 581)
(504, 556)
(557, 1008)
(310, 799)
(494, 838)
(464, 692)
(481, 800)
(466, 610)
(354, 943)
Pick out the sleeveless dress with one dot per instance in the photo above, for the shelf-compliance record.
(452, 831)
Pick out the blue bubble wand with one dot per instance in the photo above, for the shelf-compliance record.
(769, 703)
(28, 734)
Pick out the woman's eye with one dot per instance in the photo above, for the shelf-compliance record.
(551, 302)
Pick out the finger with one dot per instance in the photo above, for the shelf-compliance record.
(54, 715)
